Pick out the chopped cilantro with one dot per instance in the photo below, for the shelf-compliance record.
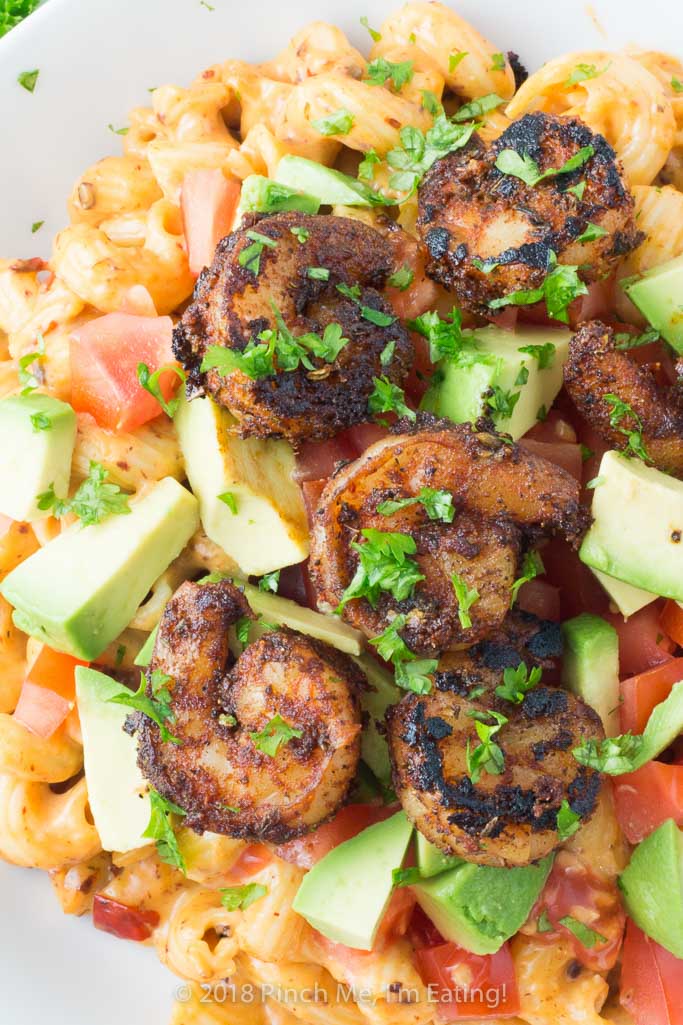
(521, 165)
(522, 376)
(14, 11)
(156, 707)
(28, 378)
(567, 821)
(411, 673)
(160, 829)
(384, 565)
(387, 354)
(239, 898)
(419, 150)
(270, 581)
(381, 69)
(466, 598)
(387, 397)
(517, 682)
(405, 876)
(150, 382)
(455, 58)
(582, 73)
(486, 756)
(613, 756)
(623, 340)
(300, 234)
(318, 273)
(561, 286)
(437, 504)
(227, 720)
(242, 627)
(502, 403)
(366, 168)
(120, 655)
(93, 502)
(479, 107)
(543, 354)
(374, 35)
(40, 422)
(542, 413)
(595, 482)
(577, 190)
(230, 499)
(676, 85)
(586, 452)
(532, 566)
(497, 62)
(587, 937)
(339, 123)
(36, 226)
(274, 735)
(618, 412)
(28, 79)
(118, 131)
(430, 103)
(591, 233)
(401, 278)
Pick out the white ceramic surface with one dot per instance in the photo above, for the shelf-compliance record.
(97, 58)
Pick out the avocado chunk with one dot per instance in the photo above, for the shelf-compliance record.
(590, 666)
(346, 894)
(462, 389)
(260, 520)
(480, 907)
(627, 598)
(117, 792)
(652, 885)
(431, 861)
(82, 589)
(637, 532)
(329, 186)
(273, 608)
(39, 434)
(381, 693)
(658, 294)
(265, 196)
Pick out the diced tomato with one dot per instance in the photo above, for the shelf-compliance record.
(311, 491)
(646, 798)
(579, 589)
(642, 644)
(208, 202)
(252, 859)
(128, 923)
(651, 981)
(317, 460)
(363, 435)
(105, 354)
(421, 930)
(306, 850)
(541, 598)
(54, 671)
(570, 887)
(507, 319)
(421, 294)
(554, 429)
(396, 919)
(640, 694)
(562, 454)
(41, 710)
(469, 985)
(671, 621)
(597, 304)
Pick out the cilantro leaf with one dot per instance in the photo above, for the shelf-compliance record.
(624, 340)
(447, 339)
(230, 499)
(561, 286)
(300, 234)
(338, 123)
(366, 168)
(270, 581)
(40, 422)
(318, 273)
(524, 167)
(14, 11)
(438, 504)
(532, 566)
(405, 876)
(390, 645)
(242, 630)
(239, 898)
(384, 565)
(586, 936)
(414, 674)
(479, 107)
(577, 190)
(567, 821)
(387, 354)
(620, 411)
(543, 354)
(401, 278)
(160, 829)
(31, 379)
(613, 756)
(466, 598)
(93, 502)
(36, 226)
(582, 73)
(418, 150)
(387, 397)
(157, 707)
(381, 69)
(502, 403)
(487, 755)
(497, 62)
(150, 382)
(517, 682)
(375, 36)
(28, 79)
(676, 85)
(455, 58)
(274, 735)
(591, 233)
(410, 673)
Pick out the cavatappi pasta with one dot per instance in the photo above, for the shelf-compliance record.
(125, 246)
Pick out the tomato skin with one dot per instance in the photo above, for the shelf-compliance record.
(252, 859)
(208, 202)
(55, 671)
(571, 885)
(490, 990)
(651, 981)
(646, 798)
(540, 598)
(640, 694)
(105, 354)
(305, 851)
(121, 920)
(41, 710)
(671, 621)
(641, 642)
(317, 460)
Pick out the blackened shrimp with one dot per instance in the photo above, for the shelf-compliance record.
(508, 814)
(489, 233)
(294, 274)
(269, 744)
(504, 501)
(601, 378)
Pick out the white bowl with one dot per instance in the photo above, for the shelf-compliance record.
(97, 59)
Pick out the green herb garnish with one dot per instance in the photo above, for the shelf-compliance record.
(487, 755)
(93, 502)
(384, 565)
(160, 829)
(466, 598)
(619, 411)
(381, 69)
(339, 123)
(150, 382)
(438, 504)
(518, 682)
(239, 898)
(274, 735)
(524, 167)
(156, 707)
(567, 821)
